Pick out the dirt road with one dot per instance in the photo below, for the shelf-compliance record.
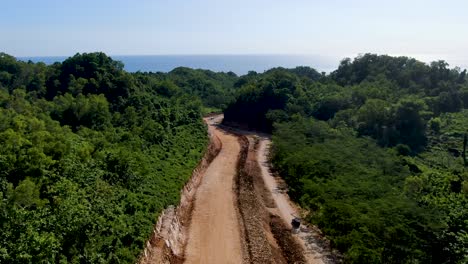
(239, 213)
(310, 240)
(214, 233)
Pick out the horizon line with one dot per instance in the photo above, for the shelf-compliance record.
(180, 54)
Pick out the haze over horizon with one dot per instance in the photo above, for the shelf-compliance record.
(426, 30)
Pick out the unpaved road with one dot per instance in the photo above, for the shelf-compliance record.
(314, 253)
(217, 232)
(214, 235)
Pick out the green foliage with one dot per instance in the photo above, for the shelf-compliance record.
(383, 172)
(435, 124)
(91, 73)
(214, 89)
(354, 189)
(272, 92)
(90, 156)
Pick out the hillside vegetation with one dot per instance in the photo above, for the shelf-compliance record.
(215, 89)
(376, 151)
(90, 155)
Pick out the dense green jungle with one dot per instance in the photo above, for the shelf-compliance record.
(375, 151)
(90, 154)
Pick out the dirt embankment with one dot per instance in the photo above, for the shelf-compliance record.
(252, 215)
(267, 196)
(167, 243)
(268, 239)
(314, 246)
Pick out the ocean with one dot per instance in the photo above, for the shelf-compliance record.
(239, 64)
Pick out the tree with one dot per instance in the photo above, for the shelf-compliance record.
(465, 140)
(374, 120)
(26, 194)
(410, 122)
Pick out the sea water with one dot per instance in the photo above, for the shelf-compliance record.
(239, 64)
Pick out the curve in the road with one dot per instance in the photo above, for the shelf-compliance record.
(214, 235)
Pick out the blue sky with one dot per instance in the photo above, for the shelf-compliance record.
(429, 29)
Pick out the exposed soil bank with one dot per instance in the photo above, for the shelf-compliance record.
(252, 213)
(169, 237)
(307, 246)
(268, 238)
(316, 249)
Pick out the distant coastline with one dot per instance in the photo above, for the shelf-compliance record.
(239, 64)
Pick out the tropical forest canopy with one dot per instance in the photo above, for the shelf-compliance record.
(376, 151)
(91, 154)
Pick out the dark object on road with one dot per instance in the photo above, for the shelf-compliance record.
(295, 223)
